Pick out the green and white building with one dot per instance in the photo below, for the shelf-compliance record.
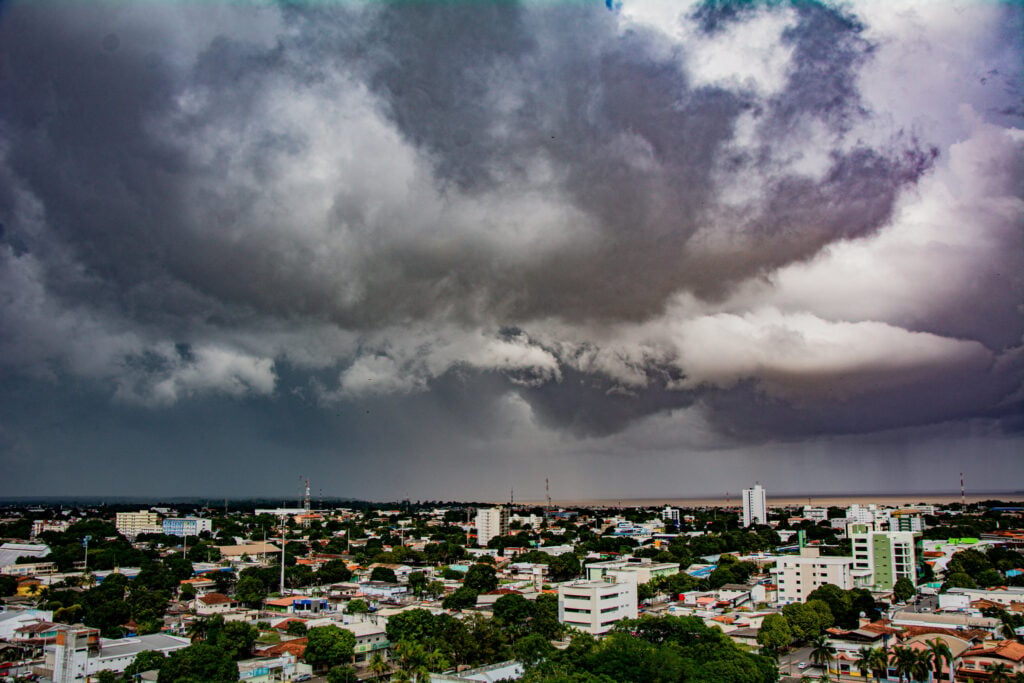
(889, 555)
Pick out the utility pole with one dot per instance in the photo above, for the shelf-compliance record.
(85, 544)
(282, 554)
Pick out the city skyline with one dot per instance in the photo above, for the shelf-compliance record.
(447, 250)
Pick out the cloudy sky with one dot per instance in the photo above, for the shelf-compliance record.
(448, 249)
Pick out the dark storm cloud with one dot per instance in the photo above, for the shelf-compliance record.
(339, 204)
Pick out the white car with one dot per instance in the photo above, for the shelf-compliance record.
(802, 665)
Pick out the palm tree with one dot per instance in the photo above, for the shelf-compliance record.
(823, 653)
(378, 666)
(864, 656)
(998, 673)
(880, 662)
(921, 665)
(906, 658)
(940, 653)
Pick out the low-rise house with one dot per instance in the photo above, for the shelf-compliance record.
(370, 639)
(266, 669)
(975, 662)
(214, 603)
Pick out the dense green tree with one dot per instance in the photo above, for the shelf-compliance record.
(385, 574)
(237, 639)
(839, 602)
(250, 590)
(903, 590)
(463, 598)
(357, 606)
(296, 628)
(199, 662)
(147, 660)
(329, 646)
(8, 585)
(417, 582)
(514, 613)
(481, 578)
(775, 634)
(958, 580)
(564, 567)
(342, 674)
(808, 620)
(533, 650)
(334, 571)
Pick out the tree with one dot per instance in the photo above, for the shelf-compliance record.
(532, 650)
(250, 590)
(903, 590)
(879, 662)
(999, 672)
(940, 652)
(514, 613)
(774, 634)
(823, 653)
(334, 571)
(839, 602)
(481, 578)
(385, 574)
(434, 589)
(296, 628)
(564, 567)
(357, 606)
(329, 646)
(237, 639)
(417, 582)
(106, 676)
(147, 660)
(864, 661)
(463, 598)
(378, 666)
(8, 586)
(187, 592)
(342, 674)
(958, 580)
(198, 662)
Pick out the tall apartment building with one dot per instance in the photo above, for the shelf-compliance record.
(888, 555)
(670, 514)
(490, 523)
(755, 508)
(132, 524)
(799, 576)
(595, 606)
(186, 526)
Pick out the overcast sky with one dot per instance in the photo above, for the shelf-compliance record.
(448, 249)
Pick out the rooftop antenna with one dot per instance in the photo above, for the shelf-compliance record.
(511, 497)
(547, 491)
(963, 495)
(306, 502)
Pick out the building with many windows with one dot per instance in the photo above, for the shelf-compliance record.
(755, 508)
(888, 555)
(490, 523)
(799, 576)
(187, 526)
(131, 524)
(595, 606)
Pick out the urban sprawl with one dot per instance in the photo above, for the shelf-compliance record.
(439, 592)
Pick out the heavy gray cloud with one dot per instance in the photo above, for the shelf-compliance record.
(783, 221)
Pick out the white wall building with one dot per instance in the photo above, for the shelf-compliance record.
(132, 524)
(755, 508)
(595, 606)
(490, 523)
(799, 576)
(670, 514)
(80, 653)
(186, 526)
(888, 555)
(815, 514)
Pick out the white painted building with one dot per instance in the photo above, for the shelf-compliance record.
(670, 514)
(187, 526)
(131, 524)
(888, 555)
(595, 606)
(80, 653)
(755, 507)
(800, 575)
(815, 514)
(491, 523)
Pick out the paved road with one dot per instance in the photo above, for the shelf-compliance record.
(789, 662)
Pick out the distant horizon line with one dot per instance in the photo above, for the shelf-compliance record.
(783, 498)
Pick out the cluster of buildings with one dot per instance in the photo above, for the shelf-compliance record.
(131, 524)
(885, 546)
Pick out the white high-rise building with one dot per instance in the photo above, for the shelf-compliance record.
(755, 508)
(490, 523)
(595, 606)
(799, 576)
(888, 555)
(131, 524)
